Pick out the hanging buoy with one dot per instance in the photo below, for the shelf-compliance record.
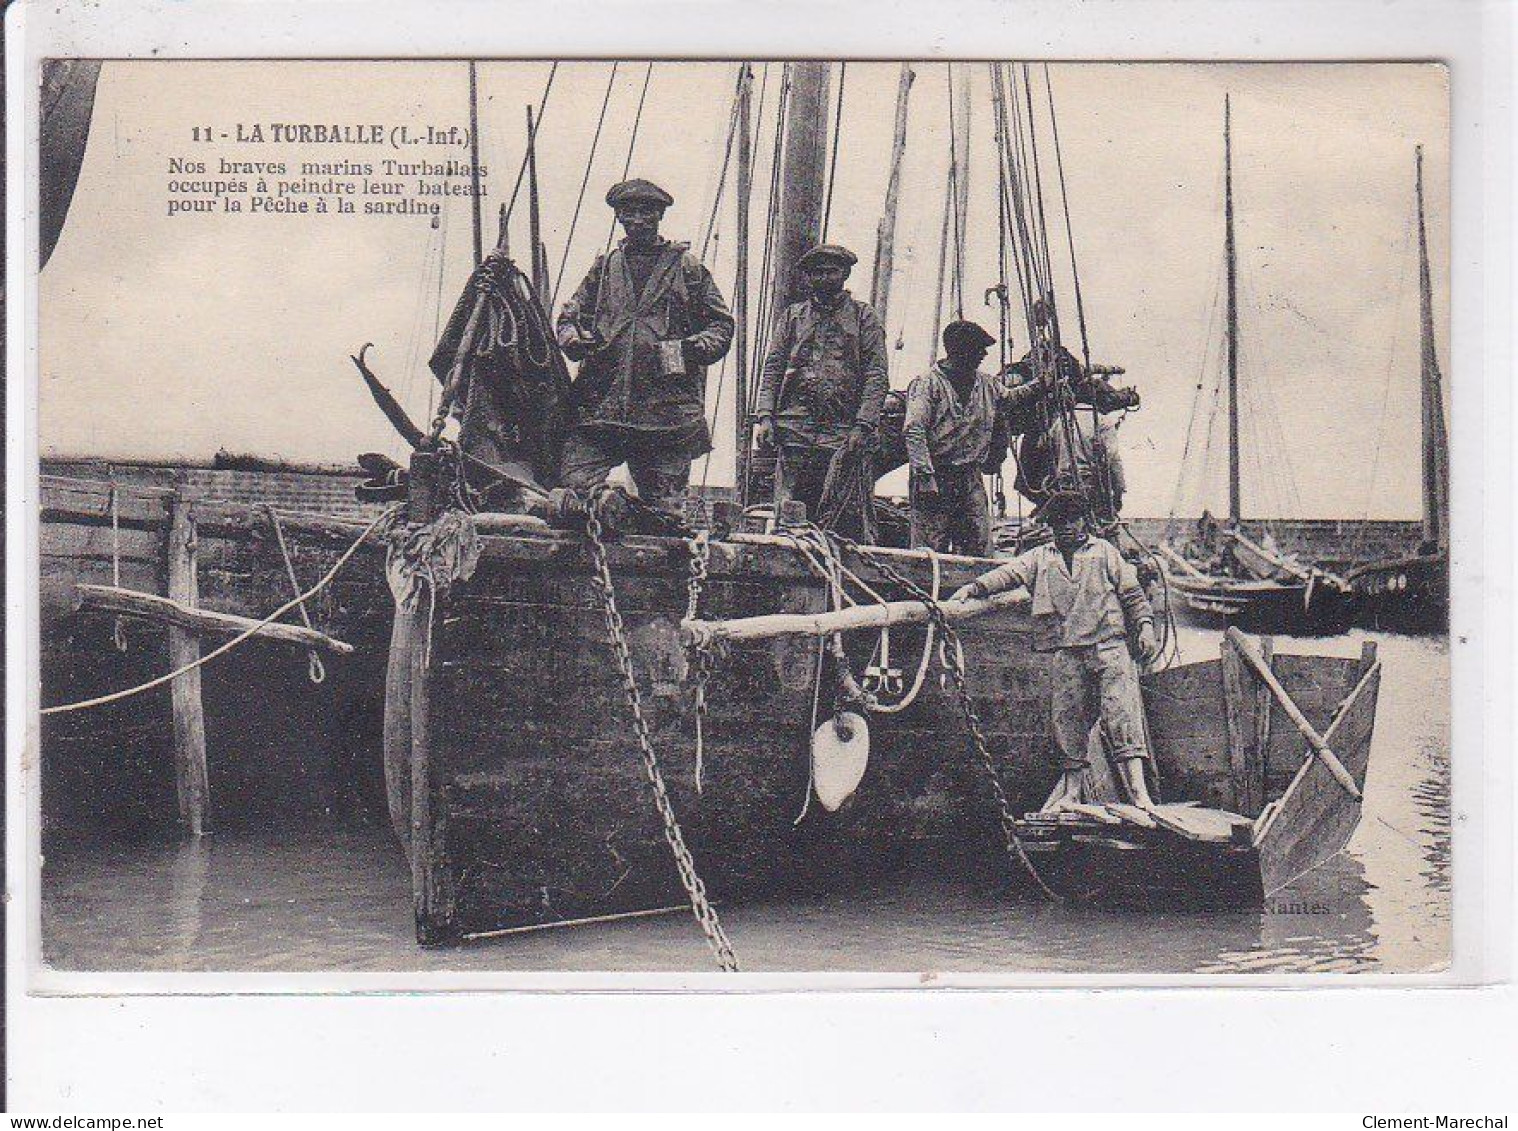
(840, 754)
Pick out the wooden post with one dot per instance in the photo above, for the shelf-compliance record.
(1316, 741)
(800, 211)
(190, 779)
(431, 884)
(1242, 706)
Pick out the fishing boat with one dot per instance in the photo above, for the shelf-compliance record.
(1411, 592)
(579, 716)
(1223, 576)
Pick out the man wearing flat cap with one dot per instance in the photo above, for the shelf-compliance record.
(644, 325)
(820, 396)
(953, 437)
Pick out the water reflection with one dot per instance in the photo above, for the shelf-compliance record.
(329, 897)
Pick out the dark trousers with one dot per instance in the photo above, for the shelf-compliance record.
(837, 489)
(955, 520)
(660, 464)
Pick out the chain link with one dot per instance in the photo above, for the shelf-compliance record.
(705, 913)
(951, 655)
(700, 659)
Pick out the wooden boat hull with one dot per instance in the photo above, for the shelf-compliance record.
(528, 790)
(509, 764)
(1267, 607)
(1404, 594)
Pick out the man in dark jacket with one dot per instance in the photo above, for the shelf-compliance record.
(820, 394)
(644, 325)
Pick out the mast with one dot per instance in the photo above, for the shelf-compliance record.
(474, 162)
(1435, 450)
(539, 256)
(805, 163)
(741, 426)
(1235, 510)
(885, 234)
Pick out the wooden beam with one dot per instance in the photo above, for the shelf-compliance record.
(1176, 559)
(191, 781)
(1314, 740)
(183, 616)
(1241, 704)
(700, 633)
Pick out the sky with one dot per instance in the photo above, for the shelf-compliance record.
(175, 337)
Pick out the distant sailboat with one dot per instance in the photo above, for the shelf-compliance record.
(1412, 592)
(1223, 576)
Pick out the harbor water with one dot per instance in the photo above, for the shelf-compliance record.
(335, 896)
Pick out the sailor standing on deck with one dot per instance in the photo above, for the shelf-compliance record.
(644, 325)
(953, 437)
(820, 396)
(1087, 601)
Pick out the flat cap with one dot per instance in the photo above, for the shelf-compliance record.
(1062, 506)
(637, 192)
(965, 335)
(828, 253)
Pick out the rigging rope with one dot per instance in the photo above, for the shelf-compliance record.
(1059, 161)
(100, 700)
(315, 671)
(827, 202)
(590, 161)
(532, 140)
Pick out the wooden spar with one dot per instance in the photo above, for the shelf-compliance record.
(943, 259)
(474, 164)
(1435, 442)
(890, 552)
(885, 233)
(192, 784)
(742, 426)
(182, 617)
(1235, 501)
(1315, 740)
(962, 188)
(1296, 569)
(1179, 561)
(805, 163)
(539, 270)
(699, 633)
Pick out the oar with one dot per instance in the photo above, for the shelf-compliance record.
(1315, 740)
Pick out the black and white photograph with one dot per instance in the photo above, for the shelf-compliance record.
(812, 516)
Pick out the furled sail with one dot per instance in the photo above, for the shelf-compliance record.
(68, 100)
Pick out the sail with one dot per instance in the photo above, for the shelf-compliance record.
(68, 100)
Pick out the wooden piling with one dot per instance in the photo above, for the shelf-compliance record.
(190, 779)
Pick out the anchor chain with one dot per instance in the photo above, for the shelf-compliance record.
(705, 913)
(951, 656)
(700, 660)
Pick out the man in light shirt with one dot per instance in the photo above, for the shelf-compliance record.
(1087, 602)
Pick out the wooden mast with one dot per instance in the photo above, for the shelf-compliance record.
(885, 234)
(742, 427)
(1235, 507)
(805, 165)
(1435, 450)
(474, 162)
(539, 268)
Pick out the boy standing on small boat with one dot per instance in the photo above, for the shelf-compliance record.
(1087, 601)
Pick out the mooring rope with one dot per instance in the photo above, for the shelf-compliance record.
(115, 696)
